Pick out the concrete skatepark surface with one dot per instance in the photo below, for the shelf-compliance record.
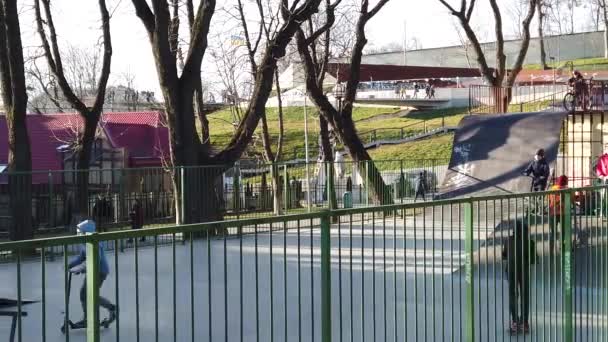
(427, 257)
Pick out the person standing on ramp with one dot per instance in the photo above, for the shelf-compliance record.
(539, 170)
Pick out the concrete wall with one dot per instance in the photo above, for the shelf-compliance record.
(563, 48)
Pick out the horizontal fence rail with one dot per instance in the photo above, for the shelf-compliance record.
(451, 270)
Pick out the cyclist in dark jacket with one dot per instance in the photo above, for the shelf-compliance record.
(539, 170)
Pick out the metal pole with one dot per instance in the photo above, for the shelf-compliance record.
(307, 160)
(182, 195)
(325, 279)
(568, 272)
(92, 275)
(470, 294)
(285, 191)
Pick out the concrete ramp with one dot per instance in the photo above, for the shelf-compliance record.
(490, 152)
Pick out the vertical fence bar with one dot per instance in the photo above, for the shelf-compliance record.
(92, 277)
(51, 197)
(470, 298)
(182, 182)
(567, 288)
(325, 279)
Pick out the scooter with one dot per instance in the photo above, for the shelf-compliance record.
(67, 323)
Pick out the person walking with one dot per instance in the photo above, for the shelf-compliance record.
(519, 252)
(416, 89)
(136, 215)
(420, 186)
(539, 170)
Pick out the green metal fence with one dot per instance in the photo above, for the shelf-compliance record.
(243, 190)
(435, 271)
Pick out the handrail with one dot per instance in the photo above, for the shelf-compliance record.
(201, 227)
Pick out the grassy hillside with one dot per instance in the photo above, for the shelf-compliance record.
(581, 64)
(382, 123)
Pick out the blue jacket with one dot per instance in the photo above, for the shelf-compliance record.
(104, 268)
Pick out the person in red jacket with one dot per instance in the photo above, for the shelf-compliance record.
(555, 210)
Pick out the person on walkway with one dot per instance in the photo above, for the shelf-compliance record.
(420, 186)
(519, 252)
(416, 89)
(78, 266)
(555, 210)
(427, 89)
(432, 92)
(136, 215)
(539, 170)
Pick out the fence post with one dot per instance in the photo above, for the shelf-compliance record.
(325, 278)
(401, 181)
(470, 295)
(182, 191)
(568, 272)
(331, 187)
(51, 197)
(285, 190)
(92, 276)
(236, 189)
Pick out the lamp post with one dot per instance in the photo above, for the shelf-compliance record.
(552, 59)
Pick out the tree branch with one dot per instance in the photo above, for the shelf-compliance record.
(53, 57)
(524, 44)
(143, 11)
(501, 59)
(107, 58)
(450, 8)
(198, 40)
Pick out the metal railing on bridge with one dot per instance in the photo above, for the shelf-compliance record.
(436, 271)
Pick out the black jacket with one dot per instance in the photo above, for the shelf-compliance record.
(539, 171)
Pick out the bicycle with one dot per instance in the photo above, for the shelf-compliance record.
(572, 100)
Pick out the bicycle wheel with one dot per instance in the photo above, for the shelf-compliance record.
(570, 102)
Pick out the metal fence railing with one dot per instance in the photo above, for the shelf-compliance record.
(456, 270)
(243, 190)
(494, 100)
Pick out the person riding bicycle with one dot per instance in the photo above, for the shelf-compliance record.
(577, 82)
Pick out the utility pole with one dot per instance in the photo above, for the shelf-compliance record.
(404, 42)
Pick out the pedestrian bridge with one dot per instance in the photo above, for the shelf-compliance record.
(420, 104)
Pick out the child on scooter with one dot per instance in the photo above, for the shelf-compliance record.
(78, 266)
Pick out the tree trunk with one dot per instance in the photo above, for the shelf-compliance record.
(541, 37)
(277, 187)
(14, 98)
(82, 167)
(328, 157)
(606, 40)
(20, 181)
(379, 192)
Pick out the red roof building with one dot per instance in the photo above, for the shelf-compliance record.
(142, 136)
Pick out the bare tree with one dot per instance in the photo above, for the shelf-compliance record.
(71, 92)
(14, 97)
(340, 119)
(464, 42)
(253, 41)
(161, 21)
(603, 9)
(498, 76)
(540, 8)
